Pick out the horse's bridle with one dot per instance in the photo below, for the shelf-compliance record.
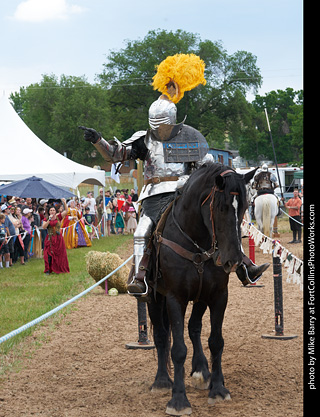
(215, 189)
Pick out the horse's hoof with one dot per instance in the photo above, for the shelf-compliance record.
(161, 385)
(218, 398)
(173, 412)
(160, 390)
(199, 382)
(179, 405)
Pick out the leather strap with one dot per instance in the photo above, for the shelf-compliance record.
(195, 257)
(157, 180)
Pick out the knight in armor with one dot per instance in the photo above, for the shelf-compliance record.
(170, 152)
(265, 182)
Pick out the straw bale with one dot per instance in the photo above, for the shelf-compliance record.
(100, 264)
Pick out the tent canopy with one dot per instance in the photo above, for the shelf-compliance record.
(35, 187)
(23, 155)
(298, 174)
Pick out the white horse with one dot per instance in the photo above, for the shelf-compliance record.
(265, 211)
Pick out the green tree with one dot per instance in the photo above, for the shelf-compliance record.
(285, 112)
(54, 108)
(118, 104)
(128, 73)
(295, 118)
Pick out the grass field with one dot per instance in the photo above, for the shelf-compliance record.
(26, 292)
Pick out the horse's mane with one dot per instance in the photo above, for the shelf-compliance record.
(206, 174)
(205, 177)
(206, 171)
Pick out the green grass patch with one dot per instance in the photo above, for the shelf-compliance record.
(283, 224)
(26, 292)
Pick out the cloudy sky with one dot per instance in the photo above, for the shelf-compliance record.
(73, 37)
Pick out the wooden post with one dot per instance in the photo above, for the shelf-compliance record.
(278, 303)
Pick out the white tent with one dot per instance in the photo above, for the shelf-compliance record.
(23, 154)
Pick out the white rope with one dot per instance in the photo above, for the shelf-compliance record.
(291, 217)
(55, 310)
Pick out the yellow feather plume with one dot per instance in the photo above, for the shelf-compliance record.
(177, 74)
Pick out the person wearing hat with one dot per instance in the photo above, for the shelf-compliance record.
(43, 202)
(75, 234)
(12, 201)
(88, 222)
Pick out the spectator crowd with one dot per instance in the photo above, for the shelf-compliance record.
(87, 218)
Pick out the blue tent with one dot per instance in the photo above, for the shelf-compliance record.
(35, 187)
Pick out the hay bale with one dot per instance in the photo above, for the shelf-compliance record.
(100, 264)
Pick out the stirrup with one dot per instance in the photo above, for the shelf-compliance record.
(140, 294)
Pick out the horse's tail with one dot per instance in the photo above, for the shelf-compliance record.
(266, 216)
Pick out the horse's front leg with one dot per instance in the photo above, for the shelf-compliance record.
(200, 372)
(179, 404)
(217, 391)
(161, 329)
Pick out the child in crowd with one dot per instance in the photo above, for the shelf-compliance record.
(88, 219)
(132, 222)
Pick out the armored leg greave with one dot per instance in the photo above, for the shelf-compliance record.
(140, 238)
(138, 286)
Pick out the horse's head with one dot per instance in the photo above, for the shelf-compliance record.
(227, 205)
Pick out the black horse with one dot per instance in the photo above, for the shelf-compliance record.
(206, 217)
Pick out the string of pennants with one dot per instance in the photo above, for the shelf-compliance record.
(293, 265)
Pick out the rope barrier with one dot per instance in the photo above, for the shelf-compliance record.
(56, 309)
(291, 217)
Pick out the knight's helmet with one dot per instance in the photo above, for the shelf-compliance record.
(175, 75)
(264, 168)
(162, 111)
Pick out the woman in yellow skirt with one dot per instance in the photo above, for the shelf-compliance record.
(74, 232)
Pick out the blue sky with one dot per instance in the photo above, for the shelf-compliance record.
(73, 37)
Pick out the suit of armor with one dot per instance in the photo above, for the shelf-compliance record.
(265, 182)
(164, 171)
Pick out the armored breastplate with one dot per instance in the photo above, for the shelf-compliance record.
(189, 145)
(155, 164)
(170, 147)
(264, 180)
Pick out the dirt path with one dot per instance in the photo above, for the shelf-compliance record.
(84, 370)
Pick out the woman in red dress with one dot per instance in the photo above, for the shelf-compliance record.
(54, 253)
